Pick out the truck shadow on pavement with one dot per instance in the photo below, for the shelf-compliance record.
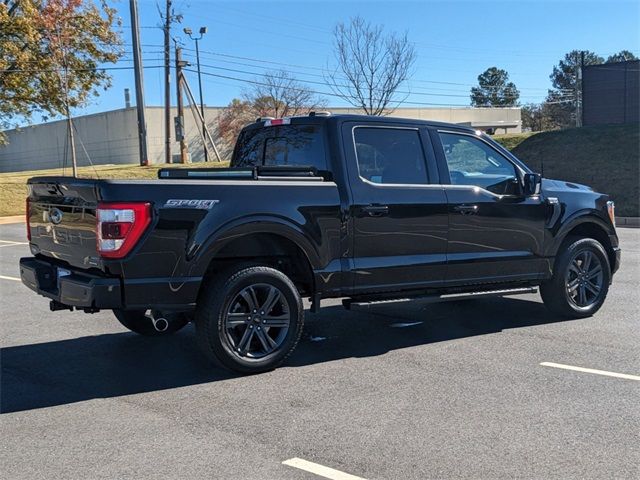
(112, 365)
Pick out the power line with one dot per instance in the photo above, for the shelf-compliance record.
(325, 70)
(74, 69)
(425, 91)
(305, 26)
(430, 94)
(278, 19)
(328, 94)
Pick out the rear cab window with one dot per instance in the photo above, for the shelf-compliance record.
(300, 145)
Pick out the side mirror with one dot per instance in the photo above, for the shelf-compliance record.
(532, 184)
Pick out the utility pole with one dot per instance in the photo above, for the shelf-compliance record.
(137, 69)
(167, 83)
(72, 138)
(581, 89)
(202, 31)
(179, 120)
(578, 91)
(72, 142)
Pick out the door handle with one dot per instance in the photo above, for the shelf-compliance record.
(466, 209)
(376, 210)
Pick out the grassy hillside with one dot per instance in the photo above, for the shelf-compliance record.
(606, 158)
(512, 140)
(13, 190)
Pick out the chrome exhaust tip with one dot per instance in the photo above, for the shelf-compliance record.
(160, 324)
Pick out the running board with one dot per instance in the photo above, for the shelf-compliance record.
(447, 297)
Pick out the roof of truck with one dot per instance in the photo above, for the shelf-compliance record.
(324, 117)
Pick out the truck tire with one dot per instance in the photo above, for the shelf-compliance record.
(152, 324)
(249, 318)
(580, 280)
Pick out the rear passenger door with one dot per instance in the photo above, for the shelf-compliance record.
(398, 211)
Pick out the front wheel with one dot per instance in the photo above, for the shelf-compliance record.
(580, 280)
(249, 319)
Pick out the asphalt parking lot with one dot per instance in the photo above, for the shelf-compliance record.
(411, 390)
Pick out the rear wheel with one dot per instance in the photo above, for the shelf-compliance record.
(151, 323)
(249, 319)
(580, 279)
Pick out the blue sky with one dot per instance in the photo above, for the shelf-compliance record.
(455, 41)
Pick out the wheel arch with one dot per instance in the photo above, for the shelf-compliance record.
(586, 226)
(269, 242)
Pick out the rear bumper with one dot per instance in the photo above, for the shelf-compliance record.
(77, 288)
(74, 288)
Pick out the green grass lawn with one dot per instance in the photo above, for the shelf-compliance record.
(512, 140)
(13, 190)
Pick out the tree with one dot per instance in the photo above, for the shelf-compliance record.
(275, 94)
(564, 75)
(231, 120)
(371, 66)
(562, 100)
(537, 117)
(50, 52)
(494, 90)
(531, 115)
(621, 56)
(279, 94)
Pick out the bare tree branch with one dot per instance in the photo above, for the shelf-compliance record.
(370, 66)
(279, 94)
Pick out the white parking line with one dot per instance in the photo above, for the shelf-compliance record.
(12, 242)
(2, 277)
(591, 370)
(320, 470)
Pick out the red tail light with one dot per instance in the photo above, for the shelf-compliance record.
(26, 214)
(119, 227)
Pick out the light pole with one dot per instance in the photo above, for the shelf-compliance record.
(202, 31)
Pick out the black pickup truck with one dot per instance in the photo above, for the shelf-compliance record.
(364, 208)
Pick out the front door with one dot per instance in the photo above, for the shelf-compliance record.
(495, 232)
(399, 210)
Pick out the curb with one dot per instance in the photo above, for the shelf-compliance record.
(12, 219)
(630, 222)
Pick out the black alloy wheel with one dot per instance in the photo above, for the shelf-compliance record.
(580, 280)
(257, 321)
(249, 318)
(584, 279)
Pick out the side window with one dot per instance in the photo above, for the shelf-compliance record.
(298, 145)
(390, 155)
(473, 162)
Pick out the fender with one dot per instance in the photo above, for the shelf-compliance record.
(577, 218)
(250, 225)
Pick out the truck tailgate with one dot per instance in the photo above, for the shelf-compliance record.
(62, 219)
